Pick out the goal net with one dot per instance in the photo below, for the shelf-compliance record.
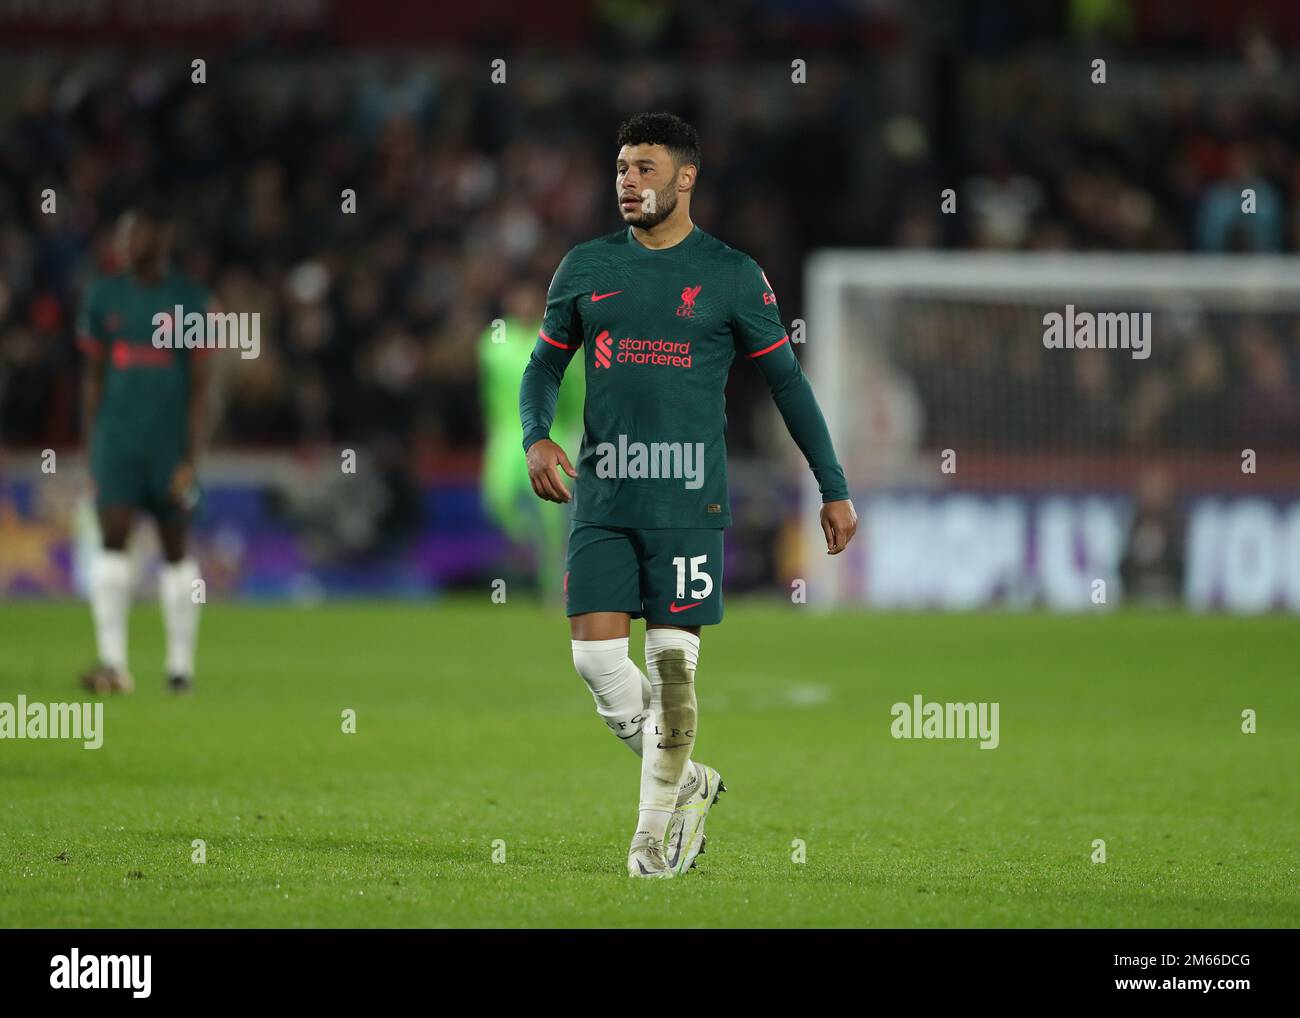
(1068, 431)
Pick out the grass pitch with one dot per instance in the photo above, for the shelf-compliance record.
(474, 734)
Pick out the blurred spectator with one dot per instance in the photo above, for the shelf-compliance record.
(1268, 404)
(1224, 225)
(1152, 566)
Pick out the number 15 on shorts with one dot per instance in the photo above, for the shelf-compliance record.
(698, 576)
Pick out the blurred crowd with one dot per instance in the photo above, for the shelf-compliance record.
(983, 379)
(371, 318)
(1170, 157)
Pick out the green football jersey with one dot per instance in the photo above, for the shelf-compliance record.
(659, 330)
(145, 400)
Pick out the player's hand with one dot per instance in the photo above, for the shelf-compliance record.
(181, 488)
(543, 457)
(839, 524)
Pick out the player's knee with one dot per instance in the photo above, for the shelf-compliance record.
(172, 538)
(616, 684)
(671, 656)
(670, 666)
(115, 528)
(115, 536)
(601, 663)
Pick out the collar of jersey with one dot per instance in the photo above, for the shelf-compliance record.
(689, 240)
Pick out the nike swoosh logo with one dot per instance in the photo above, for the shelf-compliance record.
(677, 849)
(705, 793)
(601, 296)
(660, 745)
(675, 607)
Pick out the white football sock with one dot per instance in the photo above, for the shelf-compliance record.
(621, 692)
(671, 656)
(180, 614)
(110, 602)
(616, 685)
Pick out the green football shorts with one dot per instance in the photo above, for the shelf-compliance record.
(670, 577)
(135, 475)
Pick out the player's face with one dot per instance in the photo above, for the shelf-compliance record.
(646, 184)
(137, 239)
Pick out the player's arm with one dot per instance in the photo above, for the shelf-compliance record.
(181, 487)
(560, 338)
(198, 421)
(92, 391)
(763, 339)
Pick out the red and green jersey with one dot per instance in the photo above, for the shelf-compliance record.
(659, 330)
(145, 399)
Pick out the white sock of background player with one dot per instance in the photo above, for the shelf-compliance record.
(180, 614)
(110, 603)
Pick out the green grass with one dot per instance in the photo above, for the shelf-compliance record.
(472, 727)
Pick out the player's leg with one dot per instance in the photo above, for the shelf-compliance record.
(110, 589)
(600, 654)
(602, 592)
(179, 576)
(177, 587)
(682, 579)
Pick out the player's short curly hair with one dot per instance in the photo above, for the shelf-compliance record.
(666, 129)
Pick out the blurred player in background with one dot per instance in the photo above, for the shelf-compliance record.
(661, 309)
(507, 490)
(144, 411)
